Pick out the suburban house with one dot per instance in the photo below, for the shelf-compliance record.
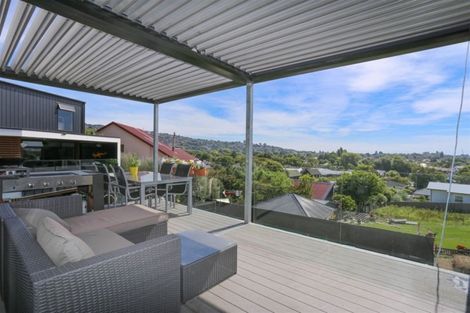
(322, 191)
(460, 193)
(140, 142)
(424, 192)
(292, 203)
(293, 173)
(51, 134)
(323, 172)
(395, 185)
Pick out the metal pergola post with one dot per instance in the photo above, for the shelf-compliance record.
(155, 140)
(249, 153)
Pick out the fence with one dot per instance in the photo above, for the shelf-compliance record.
(406, 246)
(451, 252)
(228, 209)
(453, 207)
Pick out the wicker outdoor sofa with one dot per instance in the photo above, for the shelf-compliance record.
(155, 272)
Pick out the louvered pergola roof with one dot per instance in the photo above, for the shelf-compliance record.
(158, 51)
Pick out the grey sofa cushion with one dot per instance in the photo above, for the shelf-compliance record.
(103, 241)
(33, 217)
(60, 244)
(118, 220)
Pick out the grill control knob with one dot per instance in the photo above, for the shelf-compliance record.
(30, 185)
(60, 182)
(45, 184)
(73, 182)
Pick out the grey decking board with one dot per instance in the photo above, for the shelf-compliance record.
(339, 281)
(270, 289)
(313, 298)
(202, 220)
(220, 303)
(285, 253)
(342, 262)
(347, 300)
(355, 257)
(238, 300)
(342, 267)
(252, 295)
(199, 305)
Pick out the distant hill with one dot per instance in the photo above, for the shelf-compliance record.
(194, 144)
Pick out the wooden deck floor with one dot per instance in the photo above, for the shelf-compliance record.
(285, 272)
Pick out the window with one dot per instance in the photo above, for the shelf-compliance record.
(65, 114)
(458, 199)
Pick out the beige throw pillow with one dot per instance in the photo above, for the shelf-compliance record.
(32, 218)
(60, 244)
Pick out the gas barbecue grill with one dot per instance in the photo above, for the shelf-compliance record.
(19, 182)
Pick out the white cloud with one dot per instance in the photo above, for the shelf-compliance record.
(409, 70)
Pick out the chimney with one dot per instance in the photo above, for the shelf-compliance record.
(174, 139)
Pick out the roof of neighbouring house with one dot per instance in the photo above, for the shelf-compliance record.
(293, 173)
(394, 184)
(324, 172)
(321, 190)
(177, 153)
(456, 188)
(422, 192)
(297, 205)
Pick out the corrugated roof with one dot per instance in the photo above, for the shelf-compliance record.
(321, 190)
(177, 153)
(164, 50)
(456, 188)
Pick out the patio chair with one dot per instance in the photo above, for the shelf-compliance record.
(129, 191)
(182, 170)
(166, 168)
(110, 191)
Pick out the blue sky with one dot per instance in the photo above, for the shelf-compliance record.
(406, 103)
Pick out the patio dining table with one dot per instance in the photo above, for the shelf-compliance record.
(146, 180)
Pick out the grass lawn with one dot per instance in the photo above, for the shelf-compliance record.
(457, 231)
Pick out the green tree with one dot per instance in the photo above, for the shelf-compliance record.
(269, 184)
(304, 188)
(401, 165)
(349, 160)
(216, 188)
(201, 188)
(344, 202)
(463, 175)
(90, 131)
(365, 167)
(423, 175)
(361, 186)
(395, 176)
(384, 163)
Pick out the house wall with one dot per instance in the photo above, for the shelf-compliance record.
(130, 142)
(29, 109)
(441, 196)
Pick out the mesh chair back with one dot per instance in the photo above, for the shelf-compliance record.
(121, 179)
(166, 168)
(182, 170)
(103, 169)
(113, 177)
